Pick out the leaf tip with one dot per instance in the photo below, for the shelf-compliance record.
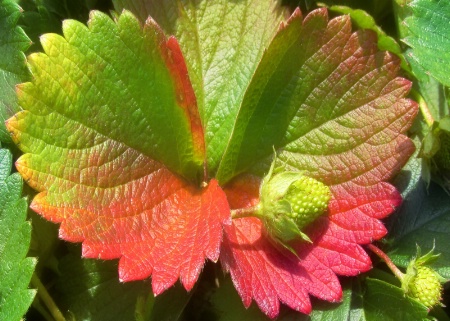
(296, 15)
(45, 41)
(11, 125)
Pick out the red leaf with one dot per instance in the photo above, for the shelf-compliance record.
(157, 225)
(269, 275)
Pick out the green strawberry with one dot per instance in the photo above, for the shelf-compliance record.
(421, 282)
(289, 201)
(425, 286)
(308, 199)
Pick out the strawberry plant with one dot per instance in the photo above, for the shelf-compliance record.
(224, 160)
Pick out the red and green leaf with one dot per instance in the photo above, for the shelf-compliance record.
(343, 115)
(109, 122)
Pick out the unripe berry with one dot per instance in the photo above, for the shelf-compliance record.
(289, 201)
(425, 286)
(308, 199)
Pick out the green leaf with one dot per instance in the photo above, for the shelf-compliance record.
(15, 234)
(370, 300)
(383, 301)
(111, 84)
(429, 37)
(328, 100)
(223, 42)
(423, 219)
(226, 305)
(170, 305)
(345, 310)
(13, 42)
(90, 290)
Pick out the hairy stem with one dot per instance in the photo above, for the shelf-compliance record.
(399, 274)
(245, 212)
(45, 297)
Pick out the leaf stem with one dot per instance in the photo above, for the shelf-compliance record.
(399, 274)
(245, 212)
(42, 310)
(46, 298)
(426, 113)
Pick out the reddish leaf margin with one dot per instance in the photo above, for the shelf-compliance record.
(168, 230)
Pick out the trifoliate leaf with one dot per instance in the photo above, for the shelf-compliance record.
(429, 37)
(223, 42)
(13, 42)
(109, 121)
(15, 235)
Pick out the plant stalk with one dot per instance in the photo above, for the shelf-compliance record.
(46, 298)
(399, 274)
